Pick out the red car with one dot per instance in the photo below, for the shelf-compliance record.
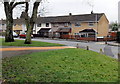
(23, 35)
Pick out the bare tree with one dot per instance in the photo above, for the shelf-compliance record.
(8, 8)
(30, 21)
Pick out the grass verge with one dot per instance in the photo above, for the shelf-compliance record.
(34, 43)
(67, 65)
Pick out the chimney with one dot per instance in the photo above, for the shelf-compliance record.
(92, 12)
(17, 17)
(70, 14)
(38, 15)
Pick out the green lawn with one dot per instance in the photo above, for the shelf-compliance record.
(67, 65)
(21, 43)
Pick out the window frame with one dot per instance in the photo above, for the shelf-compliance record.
(90, 24)
(47, 24)
(39, 25)
(77, 24)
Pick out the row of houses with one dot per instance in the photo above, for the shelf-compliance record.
(94, 25)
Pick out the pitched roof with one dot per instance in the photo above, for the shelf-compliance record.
(71, 18)
(15, 21)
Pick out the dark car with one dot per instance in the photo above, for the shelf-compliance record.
(23, 35)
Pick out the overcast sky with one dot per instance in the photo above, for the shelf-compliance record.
(64, 7)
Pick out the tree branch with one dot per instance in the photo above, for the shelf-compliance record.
(12, 2)
(17, 3)
(6, 7)
(27, 7)
(35, 8)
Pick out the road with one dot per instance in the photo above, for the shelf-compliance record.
(94, 46)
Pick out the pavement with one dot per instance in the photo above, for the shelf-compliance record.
(113, 44)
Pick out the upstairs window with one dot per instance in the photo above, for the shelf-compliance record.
(56, 25)
(47, 24)
(91, 24)
(77, 24)
(66, 25)
(39, 25)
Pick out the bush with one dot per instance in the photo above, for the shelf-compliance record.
(118, 37)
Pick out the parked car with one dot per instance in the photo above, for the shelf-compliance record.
(23, 35)
(15, 34)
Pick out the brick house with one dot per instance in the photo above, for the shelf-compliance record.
(85, 26)
(94, 25)
(18, 25)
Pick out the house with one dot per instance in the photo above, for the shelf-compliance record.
(2, 25)
(94, 25)
(83, 27)
(18, 25)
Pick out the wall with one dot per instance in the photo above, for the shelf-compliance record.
(103, 26)
(17, 27)
(36, 28)
(84, 25)
(60, 25)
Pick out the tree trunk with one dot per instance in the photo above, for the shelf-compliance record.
(9, 31)
(28, 37)
(30, 21)
(29, 33)
(9, 23)
(8, 7)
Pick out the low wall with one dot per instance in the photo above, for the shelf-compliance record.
(76, 37)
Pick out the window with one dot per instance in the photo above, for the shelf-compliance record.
(39, 25)
(91, 23)
(83, 35)
(77, 24)
(66, 25)
(47, 24)
(91, 35)
(76, 33)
